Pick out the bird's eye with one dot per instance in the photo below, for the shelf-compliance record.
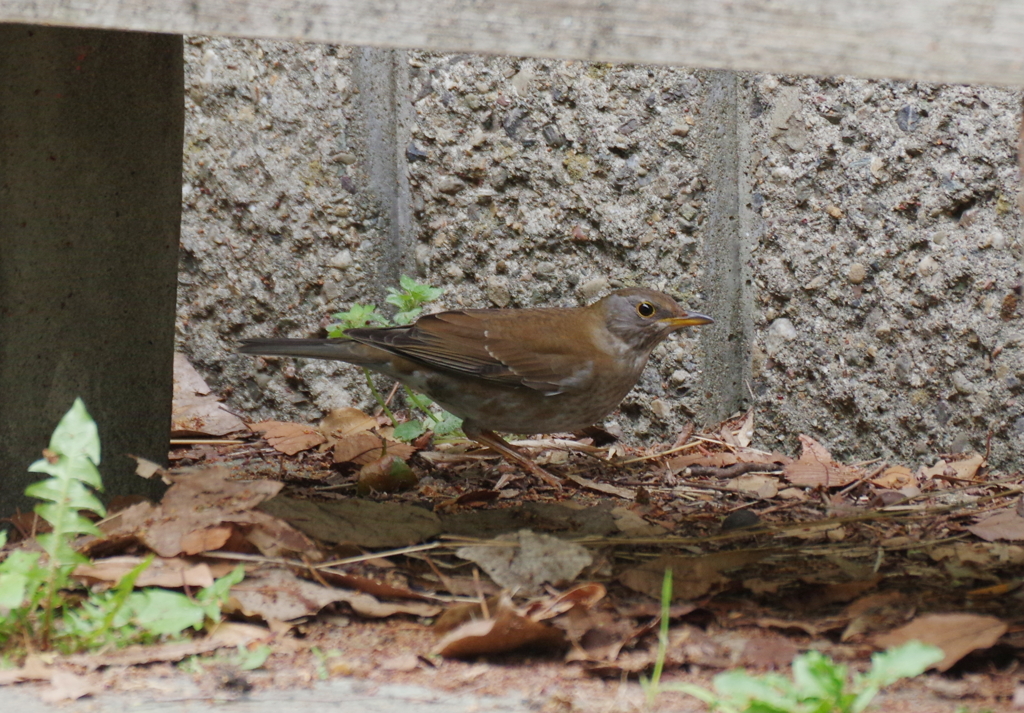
(645, 309)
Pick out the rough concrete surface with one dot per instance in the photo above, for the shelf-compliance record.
(887, 266)
(858, 240)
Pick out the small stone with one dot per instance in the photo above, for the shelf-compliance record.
(876, 166)
(998, 240)
(498, 292)
(546, 268)
(961, 383)
(680, 376)
(450, 185)
(834, 211)
(344, 157)
(342, 260)
(927, 267)
(857, 273)
(415, 153)
(908, 118)
(592, 288)
(679, 130)
(779, 332)
(662, 409)
(815, 283)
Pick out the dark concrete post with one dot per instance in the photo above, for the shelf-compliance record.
(91, 126)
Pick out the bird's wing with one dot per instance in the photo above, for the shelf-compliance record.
(491, 345)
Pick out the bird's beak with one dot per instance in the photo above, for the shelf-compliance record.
(689, 319)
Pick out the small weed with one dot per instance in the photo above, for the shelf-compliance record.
(43, 607)
(818, 684)
(410, 300)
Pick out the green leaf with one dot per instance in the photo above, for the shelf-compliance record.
(446, 424)
(163, 612)
(911, 659)
(76, 435)
(252, 660)
(356, 317)
(18, 573)
(409, 431)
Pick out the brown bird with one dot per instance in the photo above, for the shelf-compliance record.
(515, 370)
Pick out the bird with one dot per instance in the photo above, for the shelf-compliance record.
(533, 370)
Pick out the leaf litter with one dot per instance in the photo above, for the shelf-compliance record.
(843, 558)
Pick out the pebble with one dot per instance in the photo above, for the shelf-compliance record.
(779, 332)
(450, 184)
(662, 409)
(857, 273)
(928, 266)
(498, 292)
(592, 288)
(680, 376)
(342, 260)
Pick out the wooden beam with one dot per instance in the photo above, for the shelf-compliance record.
(971, 41)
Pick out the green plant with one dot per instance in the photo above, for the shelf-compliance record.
(410, 300)
(28, 585)
(38, 601)
(818, 684)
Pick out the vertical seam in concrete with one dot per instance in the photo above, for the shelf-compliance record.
(382, 77)
(726, 251)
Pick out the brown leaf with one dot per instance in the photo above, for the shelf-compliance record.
(162, 572)
(894, 478)
(68, 686)
(956, 634)
(1000, 525)
(527, 560)
(198, 512)
(343, 422)
(507, 631)
(692, 577)
(760, 485)
(360, 448)
(288, 438)
(276, 593)
(193, 410)
(816, 467)
(967, 468)
(361, 522)
(388, 474)
(710, 460)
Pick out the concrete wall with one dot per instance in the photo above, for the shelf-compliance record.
(873, 216)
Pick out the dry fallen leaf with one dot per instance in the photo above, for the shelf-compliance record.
(193, 410)
(956, 634)
(760, 485)
(343, 422)
(361, 522)
(894, 478)
(507, 630)
(526, 560)
(692, 577)
(289, 438)
(816, 467)
(1000, 525)
(202, 509)
(275, 593)
(162, 572)
(632, 525)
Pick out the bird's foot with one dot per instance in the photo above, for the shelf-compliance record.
(495, 442)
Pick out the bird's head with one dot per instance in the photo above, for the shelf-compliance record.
(643, 318)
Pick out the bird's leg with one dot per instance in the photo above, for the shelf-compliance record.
(495, 442)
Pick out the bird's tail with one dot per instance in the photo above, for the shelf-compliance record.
(339, 349)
